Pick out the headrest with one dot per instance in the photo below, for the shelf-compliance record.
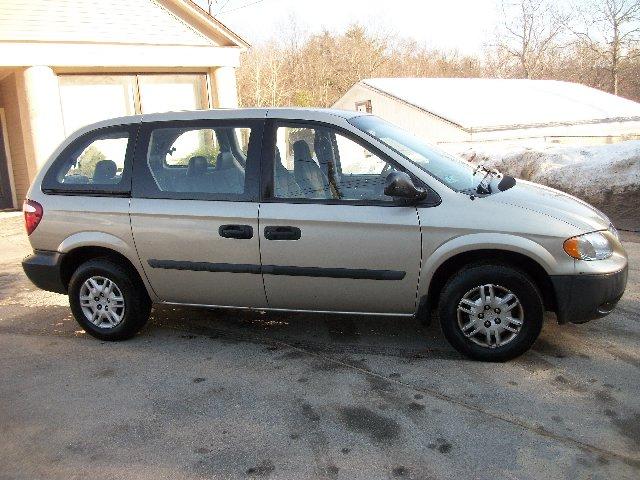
(225, 160)
(105, 170)
(197, 166)
(322, 146)
(301, 151)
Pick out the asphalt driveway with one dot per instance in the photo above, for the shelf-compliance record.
(222, 394)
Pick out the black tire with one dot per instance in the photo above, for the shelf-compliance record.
(518, 282)
(136, 301)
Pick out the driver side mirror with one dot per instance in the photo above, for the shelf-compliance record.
(400, 185)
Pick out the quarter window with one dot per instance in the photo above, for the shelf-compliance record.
(100, 163)
(318, 163)
(94, 163)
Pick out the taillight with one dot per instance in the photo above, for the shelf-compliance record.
(32, 215)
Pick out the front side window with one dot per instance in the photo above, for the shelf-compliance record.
(198, 159)
(319, 163)
(95, 162)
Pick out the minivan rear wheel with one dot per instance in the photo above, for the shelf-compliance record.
(106, 302)
(491, 312)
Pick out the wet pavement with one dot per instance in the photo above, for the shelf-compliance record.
(228, 394)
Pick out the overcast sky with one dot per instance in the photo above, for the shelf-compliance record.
(457, 24)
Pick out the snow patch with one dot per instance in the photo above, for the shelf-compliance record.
(607, 176)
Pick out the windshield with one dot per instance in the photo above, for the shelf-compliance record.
(453, 172)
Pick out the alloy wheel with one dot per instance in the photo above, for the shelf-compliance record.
(490, 315)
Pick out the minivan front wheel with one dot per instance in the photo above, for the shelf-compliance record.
(106, 301)
(491, 312)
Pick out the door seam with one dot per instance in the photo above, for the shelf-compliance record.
(264, 288)
(416, 304)
(135, 247)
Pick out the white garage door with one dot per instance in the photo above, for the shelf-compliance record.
(90, 98)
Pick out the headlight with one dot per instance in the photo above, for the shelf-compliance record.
(590, 246)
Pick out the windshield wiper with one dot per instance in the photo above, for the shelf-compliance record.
(484, 187)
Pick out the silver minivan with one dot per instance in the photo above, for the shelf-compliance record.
(310, 210)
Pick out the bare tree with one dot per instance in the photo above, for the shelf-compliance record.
(611, 29)
(302, 68)
(216, 7)
(263, 79)
(529, 34)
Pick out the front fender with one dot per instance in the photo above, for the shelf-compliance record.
(488, 241)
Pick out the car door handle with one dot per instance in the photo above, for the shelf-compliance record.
(236, 231)
(282, 233)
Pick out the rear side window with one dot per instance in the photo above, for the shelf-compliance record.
(207, 159)
(95, 163)
(202, 142)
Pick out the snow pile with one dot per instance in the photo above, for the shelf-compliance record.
(607, 176)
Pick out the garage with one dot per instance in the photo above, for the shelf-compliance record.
(67, 64)
(6, 190)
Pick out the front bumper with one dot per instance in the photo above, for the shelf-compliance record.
(43, 268)
(580, 298)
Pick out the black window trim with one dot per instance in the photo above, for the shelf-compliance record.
(144, 185)
(51, 186)
(268, 157)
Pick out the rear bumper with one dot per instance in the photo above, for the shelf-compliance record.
(581, 298)
(43, 269)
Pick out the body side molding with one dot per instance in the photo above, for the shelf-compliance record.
(293, 271)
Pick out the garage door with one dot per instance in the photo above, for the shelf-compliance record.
(90, 98)
(6, 200)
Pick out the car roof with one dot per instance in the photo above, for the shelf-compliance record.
(321, 114)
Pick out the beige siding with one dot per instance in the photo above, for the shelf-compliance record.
(410, 118)
(16, 141)
(442, 131)
(104, 21)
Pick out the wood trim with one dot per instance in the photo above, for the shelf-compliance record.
(212, 97)
(110, 55)
(129, 70)
(199, 17)
(137, 101)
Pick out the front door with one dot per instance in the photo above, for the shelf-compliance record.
(6, 198)
(194, 211)
(330, 238)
